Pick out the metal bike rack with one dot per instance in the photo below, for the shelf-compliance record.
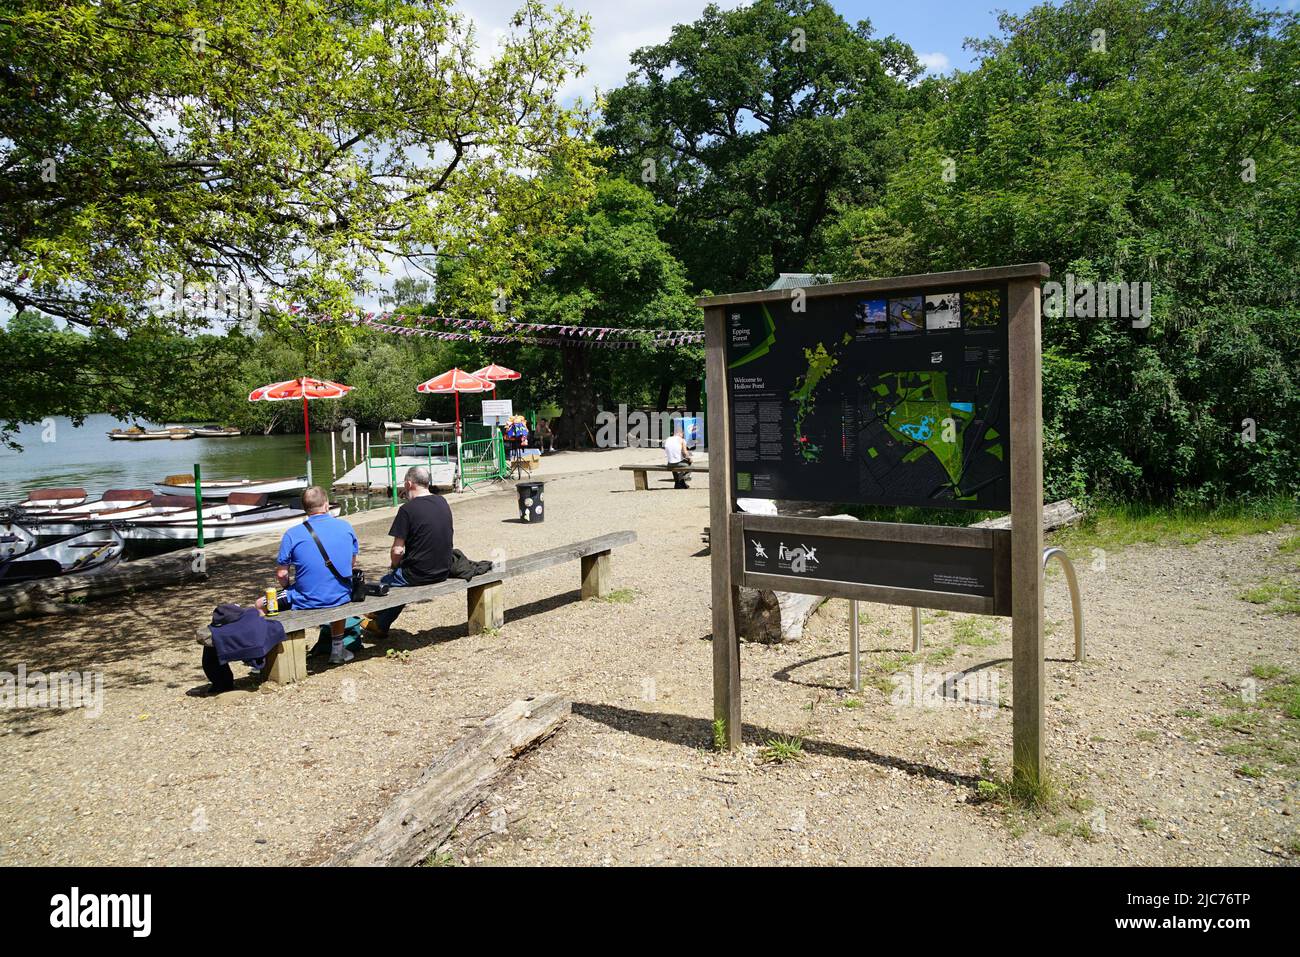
(1076, 603)
(1076, 610)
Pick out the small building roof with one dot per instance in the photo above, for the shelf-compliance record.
(797, 280)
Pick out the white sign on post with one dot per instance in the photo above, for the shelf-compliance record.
(497, 411)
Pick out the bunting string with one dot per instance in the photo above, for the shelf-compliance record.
(555, 334)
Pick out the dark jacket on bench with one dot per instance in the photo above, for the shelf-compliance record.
(242, 634)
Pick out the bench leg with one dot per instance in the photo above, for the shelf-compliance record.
(638, 478)
(597, 579)
(487, 607)
(287, 661)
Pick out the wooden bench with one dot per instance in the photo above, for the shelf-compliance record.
(639, 472)
(485, 599)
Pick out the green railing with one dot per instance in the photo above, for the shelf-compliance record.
(483, 460)
(376, 457)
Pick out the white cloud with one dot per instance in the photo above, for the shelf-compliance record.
(935, 62)
(617, 29)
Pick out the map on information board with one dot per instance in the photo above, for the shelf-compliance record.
(886, 400)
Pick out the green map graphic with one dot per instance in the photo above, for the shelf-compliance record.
(820, 362)
(916, 409)
(918, 413)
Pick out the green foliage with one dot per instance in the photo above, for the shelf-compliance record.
(755, 131)
(50, 372)
(1128, 164)
(781, 748)
(291, 146)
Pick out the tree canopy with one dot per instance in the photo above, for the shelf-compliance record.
(291, 146)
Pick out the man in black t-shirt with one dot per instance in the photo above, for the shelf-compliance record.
(421, 552)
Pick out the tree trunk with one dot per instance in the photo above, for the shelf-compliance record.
(693, 397)
(665, 393)
(579, 398)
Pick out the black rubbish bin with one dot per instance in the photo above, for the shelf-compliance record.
(530, 501)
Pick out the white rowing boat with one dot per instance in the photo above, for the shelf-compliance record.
(258, 521)
(48, 500)
(124, 509)
(184, 485)
(94, 550)
(15, 540)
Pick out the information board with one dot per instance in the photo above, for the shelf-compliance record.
(497, 411)
(897, 399)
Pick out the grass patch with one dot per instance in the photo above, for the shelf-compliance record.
(1260, 724)
(619, 596)
(1024, 792)
(975, 631)
(719, 734)
(1280, 595)
(1118, 525)
(398, 654)
(781, 748)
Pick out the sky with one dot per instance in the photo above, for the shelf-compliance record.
(935, 29)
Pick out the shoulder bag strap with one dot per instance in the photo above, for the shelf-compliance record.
(325, 555)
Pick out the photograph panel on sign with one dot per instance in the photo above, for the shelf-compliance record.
(943, 311)
(907, 314)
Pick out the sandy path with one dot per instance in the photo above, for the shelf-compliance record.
(286, 776)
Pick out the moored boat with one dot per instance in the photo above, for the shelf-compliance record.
(214, 432)
(137, 434)
(184, 484)
(73, 521)
(220, 525)
(15, 540)
(90, 551)
(49, 499)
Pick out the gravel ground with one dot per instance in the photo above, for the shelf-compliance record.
(262, 776)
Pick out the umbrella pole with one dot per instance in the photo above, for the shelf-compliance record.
(458, 456)
(306, 432)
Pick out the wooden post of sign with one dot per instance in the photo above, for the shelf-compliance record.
(1028, 665)
(726, 642)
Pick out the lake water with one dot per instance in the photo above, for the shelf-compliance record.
(87, 458)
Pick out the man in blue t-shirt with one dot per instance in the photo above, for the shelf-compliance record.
(314, 585)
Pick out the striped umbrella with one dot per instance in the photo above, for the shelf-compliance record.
(496, 373)
(303, 388)
(455, 381)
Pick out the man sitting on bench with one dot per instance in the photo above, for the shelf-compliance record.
(678, 454)
(421, 552)
(304, 548)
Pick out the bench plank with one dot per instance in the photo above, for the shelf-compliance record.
(303, 621)
(663, 468)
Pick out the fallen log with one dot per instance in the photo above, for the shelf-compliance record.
(1055, 516)
(50, 595)
(423, 817)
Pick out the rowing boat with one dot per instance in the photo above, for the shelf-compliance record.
(218, 526)
(90, 551)
(184, 484)
(15, 540)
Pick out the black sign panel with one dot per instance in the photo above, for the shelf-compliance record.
(920, 566)
(896, 399)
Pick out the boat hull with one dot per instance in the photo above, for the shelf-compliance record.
(91, 551)
(273, 518)
(216, 490)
